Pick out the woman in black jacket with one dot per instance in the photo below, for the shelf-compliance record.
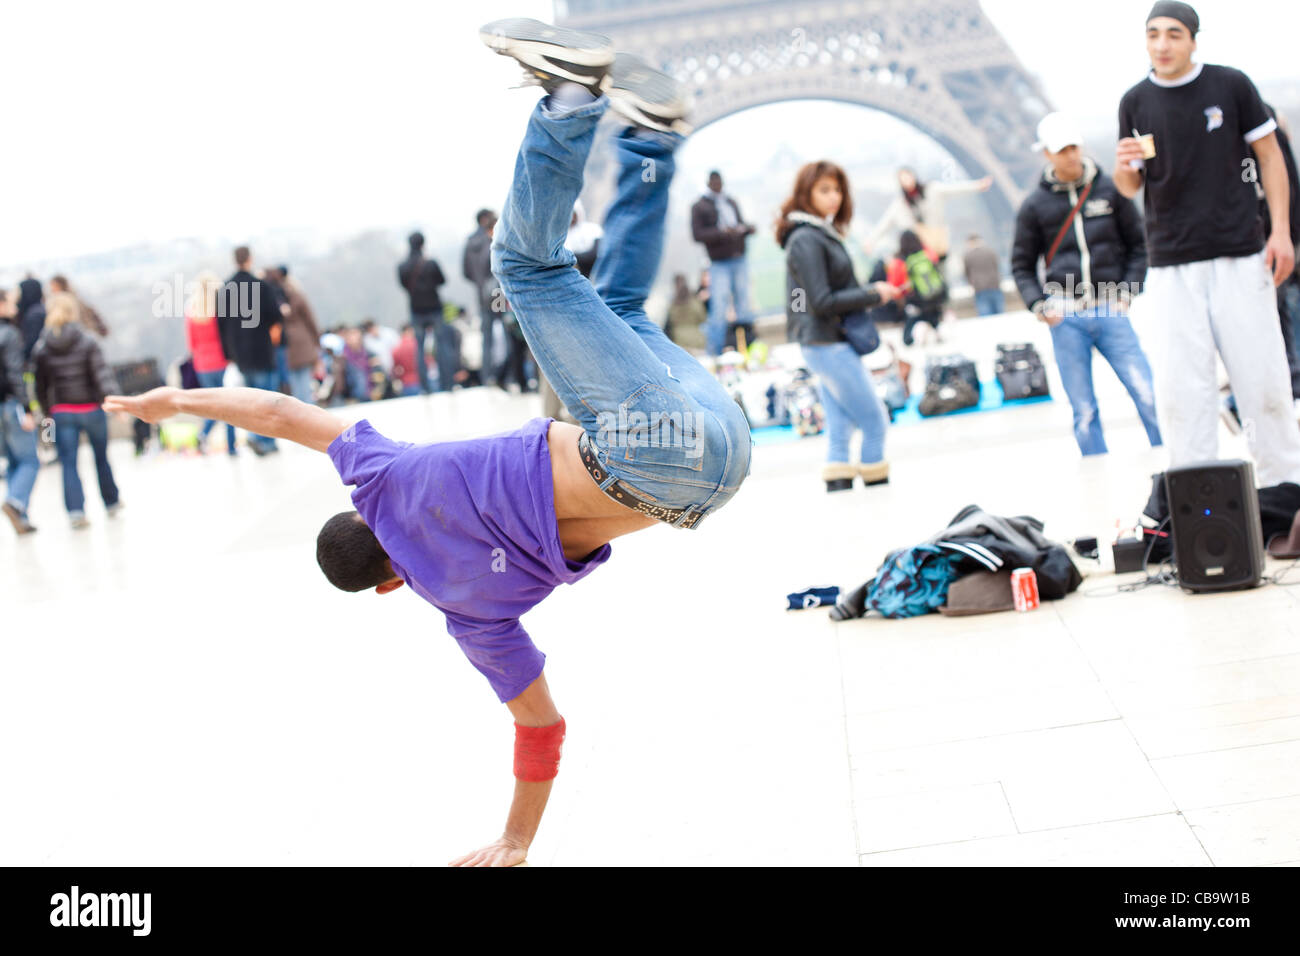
(71, 382)
(822, 289)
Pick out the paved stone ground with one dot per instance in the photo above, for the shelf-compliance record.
(181, 686)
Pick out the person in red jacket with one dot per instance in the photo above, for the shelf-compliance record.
(404, 368)
(204, 337)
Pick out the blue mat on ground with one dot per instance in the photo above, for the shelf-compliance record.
(991, 400)
(774, 434)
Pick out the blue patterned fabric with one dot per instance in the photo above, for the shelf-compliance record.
(912, 581)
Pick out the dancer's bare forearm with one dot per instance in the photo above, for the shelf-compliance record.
(254, 409)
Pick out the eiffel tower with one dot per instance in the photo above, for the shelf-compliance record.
(939, 65)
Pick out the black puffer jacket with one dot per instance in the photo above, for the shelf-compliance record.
(821, 287)
(1104, 244)
(11, 364)
(70, 369)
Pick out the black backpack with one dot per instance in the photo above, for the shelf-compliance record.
(951, 384)
(1020, 371)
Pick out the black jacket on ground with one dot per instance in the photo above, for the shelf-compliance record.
(421, 278)
(1112, 237)
(720, 245)
(70, 369)
(821, 286)
(245, 337)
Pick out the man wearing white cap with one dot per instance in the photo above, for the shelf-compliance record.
(1089, 238)
(1198, 136)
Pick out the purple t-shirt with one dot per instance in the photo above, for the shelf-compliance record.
(470, 527)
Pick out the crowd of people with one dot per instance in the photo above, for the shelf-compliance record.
(1078, 234)
(53, 379)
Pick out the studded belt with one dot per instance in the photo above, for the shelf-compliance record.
(615, 489)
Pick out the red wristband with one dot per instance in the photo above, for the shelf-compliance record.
(537, 752)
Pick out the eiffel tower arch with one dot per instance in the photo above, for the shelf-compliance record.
(938, 65)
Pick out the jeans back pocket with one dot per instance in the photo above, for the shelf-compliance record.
(655, 426)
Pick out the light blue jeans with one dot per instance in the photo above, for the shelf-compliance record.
(213, 380)
(850, 402)
(268, 379)
(302, 384)
(20, 450)
(990, 302)
(1112, 335)
(657, 420)
(728, 285)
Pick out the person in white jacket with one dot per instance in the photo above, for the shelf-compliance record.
(920, 208)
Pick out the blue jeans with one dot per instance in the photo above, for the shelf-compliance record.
(728, 285)
(213, 380)
(20, 450)
(302, 384)
(267, 379)
(1112, 335)
(850, 401)
(68, 427)
(281, 365)
(657, 421)
(990, 302)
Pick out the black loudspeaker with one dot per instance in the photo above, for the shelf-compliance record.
(1214, 520)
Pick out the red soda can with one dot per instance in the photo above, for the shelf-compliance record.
(1024, 589)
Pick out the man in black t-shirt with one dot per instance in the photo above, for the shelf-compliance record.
(1199, 137)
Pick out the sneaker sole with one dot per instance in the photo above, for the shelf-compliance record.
(647, 96)
(554, 51)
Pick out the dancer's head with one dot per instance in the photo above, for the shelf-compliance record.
(1171, 38)
(485, 218)
(907, 180)
(820, 189)
(416, 241)
(715, 181)
(352, 557)
(243, 258)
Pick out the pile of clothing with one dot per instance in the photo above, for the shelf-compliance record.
(964, 569)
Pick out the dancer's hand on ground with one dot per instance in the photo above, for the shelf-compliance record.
(501, 853)
(152, 406)
(1279, 255)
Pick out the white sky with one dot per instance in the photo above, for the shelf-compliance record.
(144, 120)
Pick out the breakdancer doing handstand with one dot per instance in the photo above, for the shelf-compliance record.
(485, 529)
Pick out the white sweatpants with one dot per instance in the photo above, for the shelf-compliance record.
(1228, 304)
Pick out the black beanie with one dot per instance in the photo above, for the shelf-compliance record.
(1182, 12)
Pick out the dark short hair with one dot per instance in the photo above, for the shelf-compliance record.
(350, 554)
(485, 214)
(909, 243)
(242, 255)
(416, 240)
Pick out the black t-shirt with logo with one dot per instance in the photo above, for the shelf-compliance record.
(1200, 186)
